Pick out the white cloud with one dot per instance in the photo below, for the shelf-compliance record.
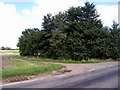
(108, 14)
(55, 6)
(44, 7)
(103, 0)
(26, 12)
(12, 24)
(8, 25)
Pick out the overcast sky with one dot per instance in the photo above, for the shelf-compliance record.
(18, 15)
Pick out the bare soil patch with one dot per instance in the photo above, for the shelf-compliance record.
(6, 62)
(5, 59)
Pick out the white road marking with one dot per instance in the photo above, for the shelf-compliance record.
(28, 81)
(91, 70)
(60, 76)
(111, 65)
(102, 67)
(22, 82)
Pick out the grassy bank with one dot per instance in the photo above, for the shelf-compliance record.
(29, 68)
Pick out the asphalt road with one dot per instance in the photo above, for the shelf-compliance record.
(103, 78)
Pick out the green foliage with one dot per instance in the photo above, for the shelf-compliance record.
(75, 34)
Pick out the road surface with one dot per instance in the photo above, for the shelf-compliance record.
(103, 78)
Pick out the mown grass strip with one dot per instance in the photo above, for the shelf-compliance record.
(29, 69)
(65, 61)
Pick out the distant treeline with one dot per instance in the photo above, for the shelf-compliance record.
(7, 48)
(75, 34)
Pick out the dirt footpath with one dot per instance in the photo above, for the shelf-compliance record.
(81, 68)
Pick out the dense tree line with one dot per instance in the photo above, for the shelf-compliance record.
(75, 34)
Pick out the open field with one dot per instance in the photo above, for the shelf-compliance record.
(10, 52)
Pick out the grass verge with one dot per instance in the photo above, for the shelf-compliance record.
(65, 61)
(29, 68)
